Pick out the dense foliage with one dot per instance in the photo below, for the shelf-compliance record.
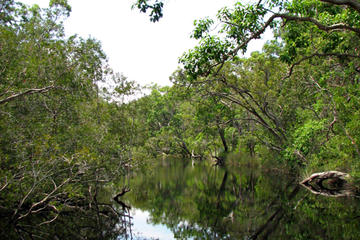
(298, 98)
(58, 141)
(67, 134)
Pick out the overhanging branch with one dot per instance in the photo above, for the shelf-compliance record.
(255, 35)
(318, 55)
(338, 26)
(351, 3)
(27, 92)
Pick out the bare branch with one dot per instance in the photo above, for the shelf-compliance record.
(251, 110)
(5, 185)
(27, 92)
(23, 200)
(51, 220)
(44, 199)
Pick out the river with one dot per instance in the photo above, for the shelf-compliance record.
(182, 200)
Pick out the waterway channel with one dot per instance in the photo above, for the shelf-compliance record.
(182, 200)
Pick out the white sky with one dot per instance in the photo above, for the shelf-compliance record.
(143, 51)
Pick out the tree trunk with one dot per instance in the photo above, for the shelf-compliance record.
(223, 140)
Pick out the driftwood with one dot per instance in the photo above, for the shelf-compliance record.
(329, 184)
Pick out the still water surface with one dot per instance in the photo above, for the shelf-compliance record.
(179, 200)
(143, 228)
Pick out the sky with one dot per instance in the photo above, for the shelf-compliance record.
(141, 50)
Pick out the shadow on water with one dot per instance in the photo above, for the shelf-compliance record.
(238, 201)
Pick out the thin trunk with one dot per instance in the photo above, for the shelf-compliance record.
(223, 140)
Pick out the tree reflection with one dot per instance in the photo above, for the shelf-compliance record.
(88, 217)
(242, 202)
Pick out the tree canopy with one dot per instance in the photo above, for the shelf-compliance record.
(68, 134)
(58, 145)
(298, 97)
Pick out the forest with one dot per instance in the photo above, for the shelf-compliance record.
(68, 135)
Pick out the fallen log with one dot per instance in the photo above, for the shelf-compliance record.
(329, 184)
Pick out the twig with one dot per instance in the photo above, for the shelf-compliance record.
(5, 185)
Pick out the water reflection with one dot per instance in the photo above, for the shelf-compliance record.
(142, 227)
(238, 202)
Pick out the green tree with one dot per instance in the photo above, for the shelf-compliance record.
(56, 150)
(155, 8)
(319, 45)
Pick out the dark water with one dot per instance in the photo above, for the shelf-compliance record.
(240, 201)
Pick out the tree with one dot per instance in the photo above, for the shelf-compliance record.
(324, 33)
(56, 153)
(155, 7)
(312, 108)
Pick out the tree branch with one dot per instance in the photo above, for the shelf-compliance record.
(123, 191)
(338, 26)
(34, 205)
(51, 220)
(351, 3)
(254, 35)
(5, 185)
(257, 34)
(251, 110)
(27, 92)
(317, 55)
